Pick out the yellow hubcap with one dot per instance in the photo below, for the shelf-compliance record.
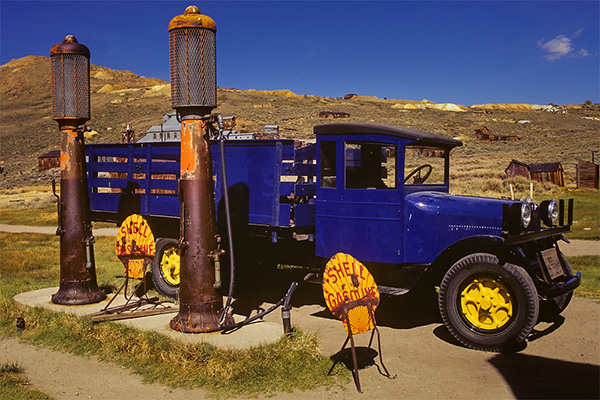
(169, 265)
(486, 304)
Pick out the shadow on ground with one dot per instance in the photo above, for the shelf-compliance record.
(533, 377)
(401, 312)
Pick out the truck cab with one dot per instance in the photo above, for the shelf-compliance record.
(366, 176)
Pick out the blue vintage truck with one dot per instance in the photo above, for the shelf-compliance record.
(379, 193)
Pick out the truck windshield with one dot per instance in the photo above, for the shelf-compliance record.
(424, 165)
(370, 165)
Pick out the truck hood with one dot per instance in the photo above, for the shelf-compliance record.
(435, 219)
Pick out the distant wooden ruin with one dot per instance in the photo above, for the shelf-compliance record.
(587, 173)
(49, 160)
(545, 172)
(486, 135)
(333, 114)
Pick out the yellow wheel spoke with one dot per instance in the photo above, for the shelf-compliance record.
(170, 266)
(486, 304)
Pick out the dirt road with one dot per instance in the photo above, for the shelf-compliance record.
(561, 360)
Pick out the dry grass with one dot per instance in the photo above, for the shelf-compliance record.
(30, 262)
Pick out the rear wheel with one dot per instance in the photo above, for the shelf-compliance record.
(165, 267)
(488, 306)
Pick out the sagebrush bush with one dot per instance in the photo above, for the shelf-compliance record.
(492, 185)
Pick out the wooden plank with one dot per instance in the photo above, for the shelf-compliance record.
(104, 316)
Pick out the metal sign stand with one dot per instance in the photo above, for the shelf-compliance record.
(119, 312)
(351, 294)
(135, 248)
(346, 318)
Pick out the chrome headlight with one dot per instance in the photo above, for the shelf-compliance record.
(525, 215)
(549, 212)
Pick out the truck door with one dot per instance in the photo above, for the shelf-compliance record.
(359, 209)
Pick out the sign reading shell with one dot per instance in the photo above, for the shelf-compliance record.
(135, 245)
(349, 289)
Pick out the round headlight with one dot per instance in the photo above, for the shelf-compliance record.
(549, 212)
(525, 215)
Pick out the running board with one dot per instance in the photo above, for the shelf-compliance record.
(388, 290)
(392, 291)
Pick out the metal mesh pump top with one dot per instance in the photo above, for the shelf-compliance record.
(70, 84)
(193, 67)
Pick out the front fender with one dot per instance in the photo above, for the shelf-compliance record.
(475, 244)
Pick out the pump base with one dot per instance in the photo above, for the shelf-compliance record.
(197, 318)
(76, 293)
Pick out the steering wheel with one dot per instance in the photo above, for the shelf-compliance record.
(416, 174)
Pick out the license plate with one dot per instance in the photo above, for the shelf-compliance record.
(552, 262)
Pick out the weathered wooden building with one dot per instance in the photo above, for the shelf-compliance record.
(586, 174)
(517, 168)
(548, 172)
(49, 160)
(333, 114)
(545, 172)
(486, 135)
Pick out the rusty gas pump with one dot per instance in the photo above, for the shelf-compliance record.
(71, 109)
(192, 48)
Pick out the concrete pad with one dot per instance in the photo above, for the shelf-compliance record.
(254, 334)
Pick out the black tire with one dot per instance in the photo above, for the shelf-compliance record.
(165, 274)
(487, 306)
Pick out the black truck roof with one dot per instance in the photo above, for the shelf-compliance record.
(396, 131)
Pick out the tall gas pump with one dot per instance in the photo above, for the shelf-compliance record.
(192, 48)
(71, 109)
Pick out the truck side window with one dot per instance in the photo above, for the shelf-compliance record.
(424, 165)
(370, 165)
(328, 173)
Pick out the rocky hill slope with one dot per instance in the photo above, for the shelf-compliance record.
(119, 98)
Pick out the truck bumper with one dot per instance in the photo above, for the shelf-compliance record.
(555, 233)
(570, 285)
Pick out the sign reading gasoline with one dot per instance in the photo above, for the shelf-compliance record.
(349, 289)
(135, 245)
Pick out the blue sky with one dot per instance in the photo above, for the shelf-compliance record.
(465, 52)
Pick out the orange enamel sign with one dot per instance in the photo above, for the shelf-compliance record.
(135, 245)
(348, 287)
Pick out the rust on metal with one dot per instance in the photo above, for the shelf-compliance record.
(199, 302)
(135, 246)
(351, 294)
(78, 283)
(349, 289)
(70, 45)
(71, 109)
(192, 18)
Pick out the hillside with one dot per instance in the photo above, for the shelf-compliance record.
(121, 97)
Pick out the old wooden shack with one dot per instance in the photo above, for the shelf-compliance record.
(49, 160)
(545, 172)
(548, 172)
(586, 174)
(517, 168)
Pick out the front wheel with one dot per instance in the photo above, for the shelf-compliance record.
(487, 306)
(165, 267)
